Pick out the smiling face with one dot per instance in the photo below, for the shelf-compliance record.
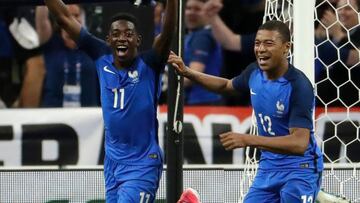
(124, 41)
(271, 51)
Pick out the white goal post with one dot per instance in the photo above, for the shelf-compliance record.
(303, 37)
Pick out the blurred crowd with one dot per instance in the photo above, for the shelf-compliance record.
(40, 66)
(337, 36)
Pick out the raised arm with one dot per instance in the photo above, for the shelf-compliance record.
(43, 24)
(162, 42)
(64, 18)
(212, 83)
(226, 37)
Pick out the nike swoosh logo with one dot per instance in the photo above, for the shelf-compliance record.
(252, 93)
(106, 69)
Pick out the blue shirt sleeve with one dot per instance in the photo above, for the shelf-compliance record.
(302, 103)
(154, 60)
(92, 45)
(241, 82)
(201, 46)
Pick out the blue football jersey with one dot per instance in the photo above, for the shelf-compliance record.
(279, 105)
(129, 100)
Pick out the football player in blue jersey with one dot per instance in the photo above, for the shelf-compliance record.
(130, 88)
(283, 100)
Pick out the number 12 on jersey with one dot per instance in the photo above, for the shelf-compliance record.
(266, 120)
(116, 92)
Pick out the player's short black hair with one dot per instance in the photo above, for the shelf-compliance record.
(123, 16)
(275, 25)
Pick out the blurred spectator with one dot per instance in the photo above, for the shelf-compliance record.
(71, 79)
(201, 53)
(21, 62)
(342, 56)
(326, 52)
(158, 16)
(249, 18)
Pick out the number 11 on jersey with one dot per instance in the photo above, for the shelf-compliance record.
(120, 91)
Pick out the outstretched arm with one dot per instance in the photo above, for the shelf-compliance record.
(162, 42)
(196, 66)
(43, 24)
(64, 18)
(212, 83)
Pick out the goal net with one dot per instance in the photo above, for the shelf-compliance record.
(326, 42)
